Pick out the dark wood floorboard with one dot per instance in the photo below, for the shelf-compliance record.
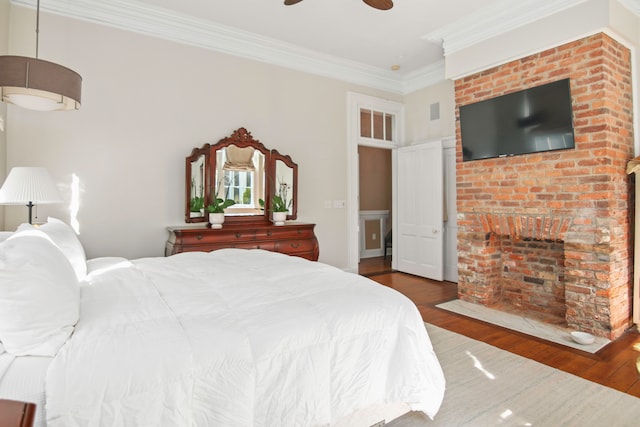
(614, 366)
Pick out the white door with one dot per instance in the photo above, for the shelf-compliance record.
(419, 235)
(450, 224)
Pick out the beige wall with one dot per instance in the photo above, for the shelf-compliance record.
(146, 103)
(375, 178)
(418, 124)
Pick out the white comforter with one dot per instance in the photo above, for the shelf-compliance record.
(238, 338)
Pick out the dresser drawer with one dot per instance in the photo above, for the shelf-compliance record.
(295, 246)
(284, 232)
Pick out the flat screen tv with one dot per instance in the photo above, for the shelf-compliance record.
(529, 121)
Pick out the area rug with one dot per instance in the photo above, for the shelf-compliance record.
(487, 386)
(521, 324)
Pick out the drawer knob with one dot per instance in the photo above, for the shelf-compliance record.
(238, 235)
(199, 237)
(269, 233)
(295, 245)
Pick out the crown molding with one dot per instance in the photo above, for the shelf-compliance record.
(132, 15)
(169, 25)
(498, 18)
(424, 77)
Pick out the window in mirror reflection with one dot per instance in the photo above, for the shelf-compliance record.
(240, 177)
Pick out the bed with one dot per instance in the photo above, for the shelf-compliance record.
(233, 337)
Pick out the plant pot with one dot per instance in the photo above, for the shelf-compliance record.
(216, 220)
(279, 218)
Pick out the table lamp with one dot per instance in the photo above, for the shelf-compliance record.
(29, 186)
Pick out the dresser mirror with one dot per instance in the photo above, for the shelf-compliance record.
(242, 169)
(240, 176)
(286, 179)
(196, 185)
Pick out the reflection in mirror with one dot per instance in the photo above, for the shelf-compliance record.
(284, 184)
(240, 175)
(284, 177)
(196, 204)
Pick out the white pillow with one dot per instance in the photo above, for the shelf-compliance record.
(39, 295)
(67, 240)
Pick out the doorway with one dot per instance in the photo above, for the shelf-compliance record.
(375, 210)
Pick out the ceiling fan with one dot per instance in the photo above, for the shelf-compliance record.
(378, 4)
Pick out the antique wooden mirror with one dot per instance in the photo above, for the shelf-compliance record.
(197, 184)
(242, 169)
(285, 173)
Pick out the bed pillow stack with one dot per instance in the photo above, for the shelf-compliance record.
(67, 240)
(39, 293)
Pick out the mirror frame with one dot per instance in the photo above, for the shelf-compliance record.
(241, 138)
(286, 159)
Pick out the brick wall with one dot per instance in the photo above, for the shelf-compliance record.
(579, 197)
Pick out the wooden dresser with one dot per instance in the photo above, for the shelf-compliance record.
(293, 238)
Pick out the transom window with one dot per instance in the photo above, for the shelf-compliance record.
(376, 124)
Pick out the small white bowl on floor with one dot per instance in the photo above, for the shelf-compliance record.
(582, 337)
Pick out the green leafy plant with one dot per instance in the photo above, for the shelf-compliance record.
(196, 204)
(279, 202)
(218, 205)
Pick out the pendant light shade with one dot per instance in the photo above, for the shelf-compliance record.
(39, 85)
(36, 84)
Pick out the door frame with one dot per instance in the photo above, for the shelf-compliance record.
(356, 101)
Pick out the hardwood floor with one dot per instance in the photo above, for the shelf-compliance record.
(614, 366)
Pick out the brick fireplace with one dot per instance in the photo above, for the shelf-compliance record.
(550, 234)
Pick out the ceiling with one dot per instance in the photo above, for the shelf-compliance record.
(346, 29)
(343, 39)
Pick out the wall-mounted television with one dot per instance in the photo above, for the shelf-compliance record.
(528, 121)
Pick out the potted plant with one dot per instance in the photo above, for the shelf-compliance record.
(197, 205)
(279, 205)
(216, 210)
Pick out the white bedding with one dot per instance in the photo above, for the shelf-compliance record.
(238, 338)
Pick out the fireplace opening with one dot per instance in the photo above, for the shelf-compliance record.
(531, 281)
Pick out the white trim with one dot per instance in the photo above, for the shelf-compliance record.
(521, 55)
(424, 77)
(154, 21)
(498, 18)
(381, 216)
(355, 101)
(132, 15)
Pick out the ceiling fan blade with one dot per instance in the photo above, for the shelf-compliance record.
(380, 4)
(290, 2)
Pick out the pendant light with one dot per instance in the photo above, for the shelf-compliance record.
(36, 84)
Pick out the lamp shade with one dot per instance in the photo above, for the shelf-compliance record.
(39, 85)
(26, 185)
